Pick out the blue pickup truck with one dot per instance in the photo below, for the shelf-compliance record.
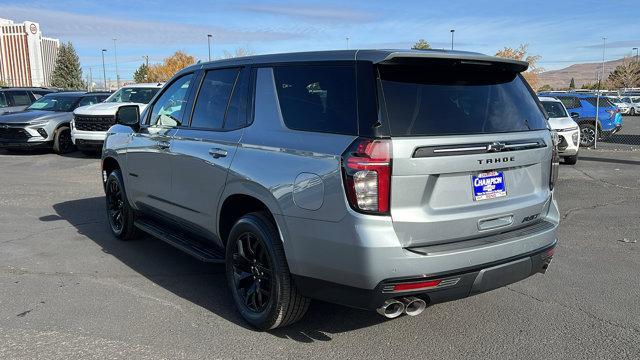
(582, 108)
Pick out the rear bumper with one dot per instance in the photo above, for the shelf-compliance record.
(457, 284)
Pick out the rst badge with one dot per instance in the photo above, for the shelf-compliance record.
(488, 185)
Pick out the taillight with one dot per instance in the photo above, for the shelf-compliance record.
(612, 113)
(367, 175)
(555, 159)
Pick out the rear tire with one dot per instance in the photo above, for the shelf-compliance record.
(571, 160)
(258, 274)
(632, 112)
(587, 134)
(62, 143)
(120, 215)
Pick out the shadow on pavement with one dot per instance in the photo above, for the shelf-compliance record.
(200, 283)
(608, 160)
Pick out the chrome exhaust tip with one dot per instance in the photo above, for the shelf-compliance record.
(413, 305)
(391, 309)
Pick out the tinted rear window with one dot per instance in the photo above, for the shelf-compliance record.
(449, 99)
(318, 98)
(604, 102)
(570, 102)
(554, 109)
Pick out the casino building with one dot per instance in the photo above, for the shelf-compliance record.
(26, 57)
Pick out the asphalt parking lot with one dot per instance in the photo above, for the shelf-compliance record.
(71, 290)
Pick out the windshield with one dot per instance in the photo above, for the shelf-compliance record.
(133, 94)
(55, 103)
(445, 99)
(554, 109)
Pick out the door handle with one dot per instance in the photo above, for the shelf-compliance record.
(164, 145)
(217, 153)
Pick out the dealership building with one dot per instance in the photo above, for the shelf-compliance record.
(26, 57)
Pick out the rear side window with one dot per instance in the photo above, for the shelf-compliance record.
(20, 98)
(554, 109)
(213, 98)
(570, 102)
(318, 98)
(3, 100)
(448, 99)
(604, 102)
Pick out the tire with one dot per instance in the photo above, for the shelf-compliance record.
(571, 160)
(256, 268)
(587, 134)
(120, 215)
(62, 143)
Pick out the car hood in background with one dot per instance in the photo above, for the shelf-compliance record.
(562, 123)
(30, 115)
(104, 108)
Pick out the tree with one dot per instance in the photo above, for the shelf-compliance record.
(572, 84)
(3, 83)
(625, 75)
(67, 73)
(520, 53)
(239, 52)
(421, 44)
(546, 87)
(141, 74)
(170, 66)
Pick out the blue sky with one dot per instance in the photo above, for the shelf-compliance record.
(562, 32)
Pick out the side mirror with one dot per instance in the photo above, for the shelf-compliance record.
(575, 115)
(128, 115)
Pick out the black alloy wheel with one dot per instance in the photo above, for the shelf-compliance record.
(120, 215)
(252, 272)
(62, 142)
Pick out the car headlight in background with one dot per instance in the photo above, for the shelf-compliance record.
(38, 122)
(575, 138)
(568, 129)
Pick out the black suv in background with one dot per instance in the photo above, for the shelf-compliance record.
(17, 99)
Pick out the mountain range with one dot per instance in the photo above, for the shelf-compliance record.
(581, 73)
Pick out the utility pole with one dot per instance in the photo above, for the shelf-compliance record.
(115, 55)
(209, 36)
(604, 48)
(104, 71)
(452, 32)
(146, 60)
(90, 79)
(347, 43)
(636, 49)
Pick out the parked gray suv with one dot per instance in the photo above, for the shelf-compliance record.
(381, 180)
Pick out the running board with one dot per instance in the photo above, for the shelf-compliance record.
(196, 249)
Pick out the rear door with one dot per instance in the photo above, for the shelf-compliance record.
(204, 150)
(471, 151)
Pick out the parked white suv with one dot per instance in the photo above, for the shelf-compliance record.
(90, 123)
(566, 127)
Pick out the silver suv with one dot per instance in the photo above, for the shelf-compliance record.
(381, 180)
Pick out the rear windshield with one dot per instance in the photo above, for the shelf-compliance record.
(133, 94)
(554, 109)
(449, 99)
(604, 102)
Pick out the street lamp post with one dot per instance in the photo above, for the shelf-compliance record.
(115, 55)
(452, 32)
(104, 71)
(209, 36)
(347, 42)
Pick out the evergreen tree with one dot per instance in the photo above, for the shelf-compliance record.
(572, 84)
(142, 74)
(67, 73)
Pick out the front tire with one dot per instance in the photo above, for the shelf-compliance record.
(258, 274)
(587, 134)
(632, 112)
(120, 215)
(62, 142)
(571, 160)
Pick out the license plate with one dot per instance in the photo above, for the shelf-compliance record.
(488, 185)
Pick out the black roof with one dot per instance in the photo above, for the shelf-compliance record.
(27, 88)
(375, 56)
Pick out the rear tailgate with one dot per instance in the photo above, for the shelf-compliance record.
(471, 149)
(433, 199)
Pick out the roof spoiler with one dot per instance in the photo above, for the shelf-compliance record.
(401, 57)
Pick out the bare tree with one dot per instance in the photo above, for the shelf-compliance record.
(239, 52)
(625, 75)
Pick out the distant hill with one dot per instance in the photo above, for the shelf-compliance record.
(581, 73)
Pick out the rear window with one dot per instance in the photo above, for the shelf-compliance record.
(319, 98)
(570, 102)
(554, 109)
(449, 99)
(604, 102)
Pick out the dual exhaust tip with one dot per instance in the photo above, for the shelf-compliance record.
(393, 308)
